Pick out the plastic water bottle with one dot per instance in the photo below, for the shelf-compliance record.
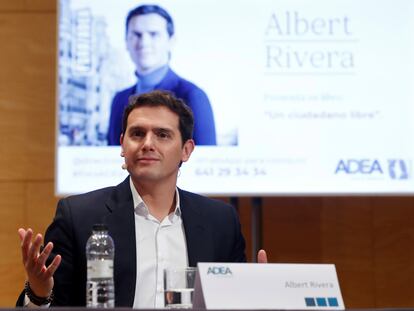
(100, 250)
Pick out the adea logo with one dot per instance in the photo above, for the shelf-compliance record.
(359, 166)
(398, 169)
(225, 271)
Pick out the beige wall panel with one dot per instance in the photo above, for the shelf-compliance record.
(15, 5)
(368, 239)
(12, 215)
(23, 205)
(347, 242)
(27, 96)
(28, 5)
(393, 223)
(291, 229)
(26, 205)
(41, 205)
(41, 5)
(245, 221)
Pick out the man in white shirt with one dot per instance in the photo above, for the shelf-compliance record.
(154, 224)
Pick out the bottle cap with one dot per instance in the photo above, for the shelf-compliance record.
(100, 227)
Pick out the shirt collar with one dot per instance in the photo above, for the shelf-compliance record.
(141, 208)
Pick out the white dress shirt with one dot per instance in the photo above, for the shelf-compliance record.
(159, 245)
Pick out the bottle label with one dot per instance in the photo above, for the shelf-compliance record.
(100, 269)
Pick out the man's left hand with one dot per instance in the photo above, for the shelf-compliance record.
(261, 256)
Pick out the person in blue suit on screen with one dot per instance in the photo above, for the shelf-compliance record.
(149, 40)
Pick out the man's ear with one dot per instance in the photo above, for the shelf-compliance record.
(172, 42)
(173, 39)
(187, 150)
(121, 140)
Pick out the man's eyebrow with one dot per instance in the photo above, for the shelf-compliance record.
(163, 129)
(155, 129)
(135, 127)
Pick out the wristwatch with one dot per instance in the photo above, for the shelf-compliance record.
(39, 301)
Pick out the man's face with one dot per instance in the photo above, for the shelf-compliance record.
(148, 42)
(152, 145)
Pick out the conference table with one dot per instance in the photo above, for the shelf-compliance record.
(121, 309)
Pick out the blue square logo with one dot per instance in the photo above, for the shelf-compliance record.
(321, 302)
(310, 302)
(333, 302)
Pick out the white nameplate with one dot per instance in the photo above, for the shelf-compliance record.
(267, 286)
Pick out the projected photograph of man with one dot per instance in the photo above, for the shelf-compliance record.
(149, 39)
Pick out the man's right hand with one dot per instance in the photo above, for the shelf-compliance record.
(39, 276)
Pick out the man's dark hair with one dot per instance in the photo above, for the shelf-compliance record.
(149, 9)
(163, 99)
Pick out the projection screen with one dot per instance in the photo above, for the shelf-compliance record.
(308, 97)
